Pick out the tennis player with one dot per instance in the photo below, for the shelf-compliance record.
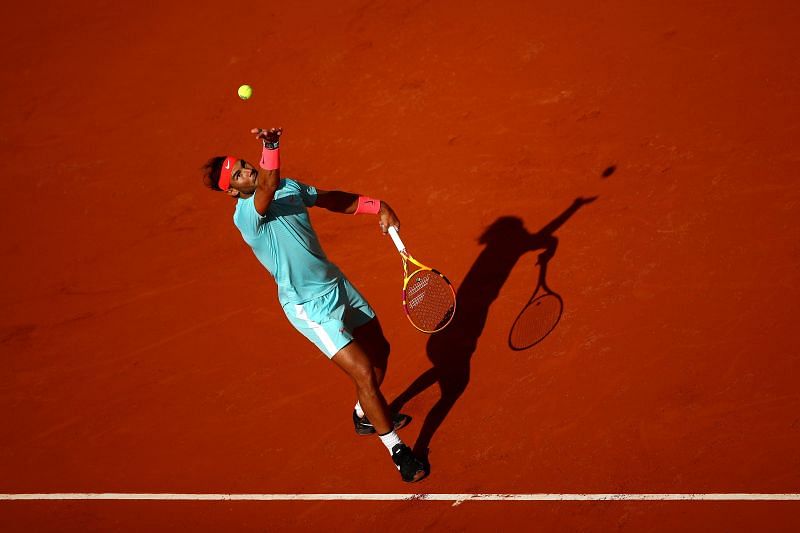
(272, 215)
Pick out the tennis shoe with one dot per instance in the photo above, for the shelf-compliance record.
(364, 426)
(411, 469)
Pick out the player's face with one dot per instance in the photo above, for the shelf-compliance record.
(244, 177)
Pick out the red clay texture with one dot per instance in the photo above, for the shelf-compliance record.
(143, 346)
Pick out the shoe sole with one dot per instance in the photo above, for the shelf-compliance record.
(400, 424)
(419, 476)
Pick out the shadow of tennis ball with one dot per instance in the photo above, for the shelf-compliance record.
(610, 170)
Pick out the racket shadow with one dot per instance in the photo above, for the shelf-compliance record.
(450, 351)
(541, 314)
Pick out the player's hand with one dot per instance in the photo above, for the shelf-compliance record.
(271, 136)
(387, 217)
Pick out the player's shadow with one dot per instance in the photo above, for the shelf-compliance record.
(450, 350)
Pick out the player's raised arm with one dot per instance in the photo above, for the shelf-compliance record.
(354, 204)
(267, 183)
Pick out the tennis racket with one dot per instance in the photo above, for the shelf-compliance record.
(428, 297)
(537, 319)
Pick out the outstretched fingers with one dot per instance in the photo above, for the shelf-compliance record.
(270, 134)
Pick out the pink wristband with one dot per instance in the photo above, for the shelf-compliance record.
(367, 206)
(270, 159)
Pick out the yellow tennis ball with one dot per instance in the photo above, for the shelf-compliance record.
(245, 92)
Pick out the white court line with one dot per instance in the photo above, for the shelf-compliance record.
(457, 498)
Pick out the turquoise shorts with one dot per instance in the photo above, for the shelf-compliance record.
(330, 320)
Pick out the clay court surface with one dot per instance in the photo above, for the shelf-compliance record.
(143, 347)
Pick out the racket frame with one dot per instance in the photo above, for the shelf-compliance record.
(407, 277)
(545, 291)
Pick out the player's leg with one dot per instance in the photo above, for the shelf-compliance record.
(324, 321)
(330, 322)
(361, 320)
(355, 362)
(366, 330)
(372, 340)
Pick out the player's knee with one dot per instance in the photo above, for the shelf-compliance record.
(363, 376)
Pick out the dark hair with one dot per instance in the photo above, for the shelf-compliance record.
(211, 172)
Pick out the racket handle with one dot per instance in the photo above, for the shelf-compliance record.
(396, 239)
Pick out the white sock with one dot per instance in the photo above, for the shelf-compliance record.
(359, 410)
(390, 440)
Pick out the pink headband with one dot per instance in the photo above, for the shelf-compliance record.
(225, 174)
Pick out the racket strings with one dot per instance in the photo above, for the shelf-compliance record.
(429, 300)
(536, 321)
